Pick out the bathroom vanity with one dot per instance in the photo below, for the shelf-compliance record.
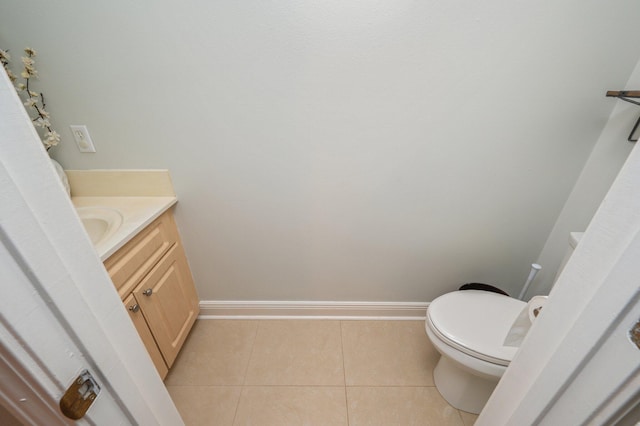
(128, 216)
(153, 279)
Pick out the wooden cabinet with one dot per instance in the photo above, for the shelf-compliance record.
(153, 279)
(145, 334)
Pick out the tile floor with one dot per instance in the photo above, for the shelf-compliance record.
(309, 372)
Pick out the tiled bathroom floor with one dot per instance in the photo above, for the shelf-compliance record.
(309, 372)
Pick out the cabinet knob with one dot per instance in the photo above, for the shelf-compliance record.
(148, 292)
(134, 308)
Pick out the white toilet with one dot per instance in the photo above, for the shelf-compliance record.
(469, 329)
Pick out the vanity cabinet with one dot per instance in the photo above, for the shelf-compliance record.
(153, 279)
(145, 334)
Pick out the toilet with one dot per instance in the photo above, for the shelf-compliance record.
(468, 328)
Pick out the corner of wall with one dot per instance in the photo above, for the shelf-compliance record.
(600, 170)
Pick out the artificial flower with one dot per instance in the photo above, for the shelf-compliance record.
(51, 138)
(11, 75)
(42, 122)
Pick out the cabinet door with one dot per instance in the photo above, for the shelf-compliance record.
(145, 334)
(169, 302)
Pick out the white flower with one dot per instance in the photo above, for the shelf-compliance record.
(51, 138)
(42, 122)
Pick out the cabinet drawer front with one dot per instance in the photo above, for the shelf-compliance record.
(128, 266)
(169, 302)
(145, 335)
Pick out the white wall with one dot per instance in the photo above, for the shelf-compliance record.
(340, 150)
(577, 365)
(603, 165)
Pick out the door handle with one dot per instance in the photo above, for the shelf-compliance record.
(79, 396)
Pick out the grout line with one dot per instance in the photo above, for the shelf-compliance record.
(246, 369)
(253, 346)
(203, 386)
(344, 368)
(391, 386)
(290, 386)
(344, 374)
(243, 386)
(299, 386)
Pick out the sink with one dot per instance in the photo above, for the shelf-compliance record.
(100, 222)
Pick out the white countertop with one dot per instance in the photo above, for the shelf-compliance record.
(137, 212)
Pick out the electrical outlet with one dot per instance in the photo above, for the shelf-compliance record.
(82, 138)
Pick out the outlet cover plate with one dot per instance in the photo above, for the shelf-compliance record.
(83, 139)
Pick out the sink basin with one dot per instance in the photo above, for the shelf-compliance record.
(100, 222)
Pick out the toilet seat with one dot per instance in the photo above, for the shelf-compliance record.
(476, 323)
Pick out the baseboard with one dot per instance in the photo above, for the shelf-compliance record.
(230, 309)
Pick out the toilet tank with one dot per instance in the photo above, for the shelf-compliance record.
(574, 239)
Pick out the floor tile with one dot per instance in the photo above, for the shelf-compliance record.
(467, 418)
(216, 352)
(291, 406)
(294, 372)
(304, 352)
(387, 353)
(206, 405)
(406, 406)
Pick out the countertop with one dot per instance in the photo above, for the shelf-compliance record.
(137, 212)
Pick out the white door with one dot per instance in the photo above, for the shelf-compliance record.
(578, 364)
(59, 313)
(38, 354)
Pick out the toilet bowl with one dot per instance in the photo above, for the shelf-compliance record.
(472, 330)
(468, 328)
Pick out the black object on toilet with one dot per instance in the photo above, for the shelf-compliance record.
(484, 287)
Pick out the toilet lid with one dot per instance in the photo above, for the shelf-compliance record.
(476, 322)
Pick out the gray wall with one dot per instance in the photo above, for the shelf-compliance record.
(340, 150)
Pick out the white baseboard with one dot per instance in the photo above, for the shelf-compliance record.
(230, 309)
